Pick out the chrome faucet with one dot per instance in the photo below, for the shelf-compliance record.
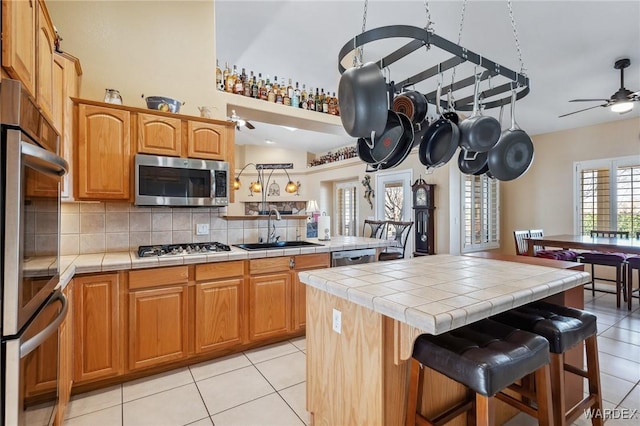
(271, 232)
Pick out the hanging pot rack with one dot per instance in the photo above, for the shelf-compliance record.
(423, 38)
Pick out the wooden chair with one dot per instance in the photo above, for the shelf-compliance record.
(558, 254)
(633, 264)
(521, 244)
(376, 228)
(400, 236)
(616, 260)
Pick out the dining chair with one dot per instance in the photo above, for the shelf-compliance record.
(376, 228)
(400, 234)
(616, 260)
(633, 264)
(521, 243)
(558, 254)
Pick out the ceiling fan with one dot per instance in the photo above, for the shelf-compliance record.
(621, 101)
(239, 121)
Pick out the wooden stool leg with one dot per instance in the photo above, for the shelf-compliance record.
(593, 281)
(485, 410)
(629, 286)
(593, 377)
(412, 393)
(557, 388)
(543, 394)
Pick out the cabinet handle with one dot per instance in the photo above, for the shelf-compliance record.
(292, 263)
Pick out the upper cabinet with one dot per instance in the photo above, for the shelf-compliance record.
(19, 41)
(159, 135)
(207, 141)
(45, 49)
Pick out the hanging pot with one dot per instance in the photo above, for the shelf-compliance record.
(363, 100)
(472, 163)
(405, 145)
(478, 133)
(441, 140)
(513, 154)
(420, 130)
(413, 104)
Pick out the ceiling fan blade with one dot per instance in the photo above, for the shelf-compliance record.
(589, 100)
(249, 125)
(575, 112)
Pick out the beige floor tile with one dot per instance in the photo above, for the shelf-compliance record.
(107, 417)
(619, 367)
(156, 383)
(202, 422)
(270, 352)
(284, 371)
(234, 388)
(632, 401)
(38, 414)
(217, 366)
(178, 406)
(270, 410)
(89, 402)
(620, 349)
(614, 389)
(300, 343)
(296, 397)
(623, 335)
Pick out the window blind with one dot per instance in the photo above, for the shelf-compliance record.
(480, 213)
(347, 214)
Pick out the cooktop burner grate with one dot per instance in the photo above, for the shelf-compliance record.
(181, 249)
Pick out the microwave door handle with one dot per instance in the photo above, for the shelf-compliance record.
(213, 184)
(43, 160)
(38, 339)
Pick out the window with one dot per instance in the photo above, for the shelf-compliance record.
(346, 202)
(480, 224)
(608, 195)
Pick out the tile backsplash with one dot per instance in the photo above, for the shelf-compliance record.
(119, 226)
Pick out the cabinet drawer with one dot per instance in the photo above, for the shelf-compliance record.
(309, 261)
(269, 264)
(214, 271)
(158, 277)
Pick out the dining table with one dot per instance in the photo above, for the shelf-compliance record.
(585, 242)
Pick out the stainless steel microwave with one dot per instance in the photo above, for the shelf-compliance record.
(170, 181)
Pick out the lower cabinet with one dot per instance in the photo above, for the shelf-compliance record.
(269, 305)
(304, 262)
(97, 327)
(158, 317)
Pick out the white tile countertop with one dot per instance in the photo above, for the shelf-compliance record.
(439, 293)
(116, 261)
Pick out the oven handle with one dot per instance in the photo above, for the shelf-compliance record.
(43, 160)
(38, 339)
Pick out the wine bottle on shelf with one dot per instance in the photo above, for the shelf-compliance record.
(239, 84)
(311, 101)
(325, 102)
(247, 85)
(319, 99)
(295, 100)
(290, 89)
(225, 76)
(219, 84)
(254, 88)
(331, 107)
(303, 97)
(273, 90)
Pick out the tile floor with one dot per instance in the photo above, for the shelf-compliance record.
(266, 386)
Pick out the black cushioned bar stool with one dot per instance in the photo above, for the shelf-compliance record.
(486, 357)
(564, 328)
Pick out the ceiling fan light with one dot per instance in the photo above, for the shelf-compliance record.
(240, 122)
(621, 107)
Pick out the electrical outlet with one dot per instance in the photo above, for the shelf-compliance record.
(202, 229)
(337, 321)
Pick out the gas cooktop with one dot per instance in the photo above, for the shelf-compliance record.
(181, 249)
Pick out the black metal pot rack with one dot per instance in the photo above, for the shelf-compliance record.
(424, 38)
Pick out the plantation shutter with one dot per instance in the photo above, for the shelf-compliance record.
(346, 202)
(480, 213)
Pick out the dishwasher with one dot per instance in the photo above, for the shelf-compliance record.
(353, 257)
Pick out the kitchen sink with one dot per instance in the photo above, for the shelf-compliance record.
(276, 245)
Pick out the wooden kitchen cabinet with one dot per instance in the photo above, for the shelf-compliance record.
(219, 305)
(207, 140)
(269, 297)
(104, 154)
(159, 135)
(97, 330)
(304, 262)
(158, 316)
(19, 41)
(65, 374)
(45, 46)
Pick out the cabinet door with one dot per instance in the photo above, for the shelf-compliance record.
(157, 326)
(159, 135)
(45, 49)
(71, 87)
(104, 156)
(269, 305)
(206, 141)
(65, 376)
(96, 328)
(304, 262)
(19, 41)
(218, 314)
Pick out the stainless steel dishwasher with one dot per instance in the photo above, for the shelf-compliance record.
(353, 257)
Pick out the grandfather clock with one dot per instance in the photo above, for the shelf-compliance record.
(423, 212)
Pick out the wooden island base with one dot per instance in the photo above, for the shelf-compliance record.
(360, 375)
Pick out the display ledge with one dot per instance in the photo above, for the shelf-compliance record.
(264, 216)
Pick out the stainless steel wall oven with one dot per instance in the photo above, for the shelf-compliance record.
(32, 305)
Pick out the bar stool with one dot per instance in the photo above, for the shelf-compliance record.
(617, 260)
(564, 328)
(487, 357)
(633, 263)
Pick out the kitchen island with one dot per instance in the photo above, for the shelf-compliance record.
(362, 321)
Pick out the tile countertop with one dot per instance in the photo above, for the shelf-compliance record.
(116, 261)
(439, 293)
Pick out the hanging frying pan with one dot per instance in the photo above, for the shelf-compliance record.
(405, 144)
(419, 130)
(478, 133)
(472, 163)
(389, 141)
(513, 154)
(411, 103)
(363, 100)
(364, 151)
(441, 140)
